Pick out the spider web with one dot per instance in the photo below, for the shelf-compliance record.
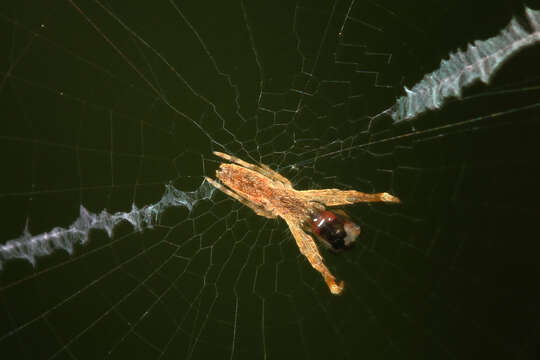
(114, 247)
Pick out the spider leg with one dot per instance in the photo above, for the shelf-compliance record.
(334, 197)
(263, 169)
(309, 249)
(276, 176)
(258, 210)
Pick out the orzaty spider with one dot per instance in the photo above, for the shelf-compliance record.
(271, 195)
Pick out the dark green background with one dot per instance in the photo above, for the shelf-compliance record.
(102, 103)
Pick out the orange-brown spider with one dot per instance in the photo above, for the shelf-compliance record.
(270, 194)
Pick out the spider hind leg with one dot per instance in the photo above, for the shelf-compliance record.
(309, 249)
(335, 197)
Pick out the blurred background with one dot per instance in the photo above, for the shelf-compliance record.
(104, 103)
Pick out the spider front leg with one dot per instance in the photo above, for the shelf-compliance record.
(335, 197)
(309, 249)
(262, 169)
(258, 210)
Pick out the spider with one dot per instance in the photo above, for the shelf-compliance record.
(272, 195)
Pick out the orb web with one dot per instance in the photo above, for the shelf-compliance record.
(113, 246)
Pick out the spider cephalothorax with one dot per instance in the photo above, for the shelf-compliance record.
(271, 195)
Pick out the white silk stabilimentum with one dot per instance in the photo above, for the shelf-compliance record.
(29, 246)
(479, 62)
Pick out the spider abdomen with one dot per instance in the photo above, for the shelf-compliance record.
(335, 231)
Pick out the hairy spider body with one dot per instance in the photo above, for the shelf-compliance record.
(271, 195)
